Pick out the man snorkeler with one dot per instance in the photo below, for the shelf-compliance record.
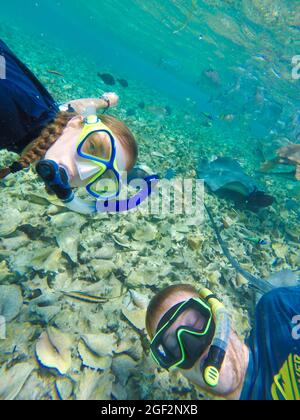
(71, 144)
(192, 332)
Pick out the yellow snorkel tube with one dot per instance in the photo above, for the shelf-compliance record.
(218, 349)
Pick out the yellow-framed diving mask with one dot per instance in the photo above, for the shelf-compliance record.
(96, 160)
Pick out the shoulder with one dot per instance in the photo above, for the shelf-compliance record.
(281, 298)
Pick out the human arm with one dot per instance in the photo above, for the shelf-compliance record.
(108, 100)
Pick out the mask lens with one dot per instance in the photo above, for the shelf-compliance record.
(98, 145)
(182, 335)
(107, 185)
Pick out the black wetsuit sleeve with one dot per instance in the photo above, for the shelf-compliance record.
(274, 369)
(25, 105)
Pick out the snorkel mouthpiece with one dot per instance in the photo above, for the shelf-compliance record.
(55, 178)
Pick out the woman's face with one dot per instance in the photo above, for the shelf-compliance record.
(64, 150)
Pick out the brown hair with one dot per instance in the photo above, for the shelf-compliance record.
(159, 304)
(37, 149)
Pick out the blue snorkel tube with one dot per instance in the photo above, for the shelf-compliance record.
(57, 180)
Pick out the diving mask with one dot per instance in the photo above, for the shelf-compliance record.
(190, 342)
(96, 160)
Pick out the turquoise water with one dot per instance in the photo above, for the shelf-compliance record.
(245, 109)
(184, 37)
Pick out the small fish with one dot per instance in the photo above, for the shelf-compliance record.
(257, 241)
(260, 57)
(142, 105)
(169, 63)
(170, 174)
(108, 79)
(156, 109)
(276, 262)
(208, 116)
(123, 83)
(276, 73)
(227, 117)
(157, 154)
(296, 27)
(213, 76)
(85, 297)
(56, 73)
(259, 199)
(168, 110)
(130, 112)
(291, 205)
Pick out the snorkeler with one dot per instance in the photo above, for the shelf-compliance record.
(288, 156)
(72, 145)
(192, 332)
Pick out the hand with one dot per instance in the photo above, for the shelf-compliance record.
(113, 98)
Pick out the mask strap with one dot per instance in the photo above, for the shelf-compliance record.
(56, 178)
(121, 206)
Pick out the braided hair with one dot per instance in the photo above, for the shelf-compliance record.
(37, 149)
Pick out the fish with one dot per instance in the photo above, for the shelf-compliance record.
(85, 297)
(260, 57)
(170, 174)
(259, 199)
(158, 155)
(169, 64)
(168, 110)
(213, 76)
(158, 111)
(257, 241)
(130, 112)
(123, 83)
(227, 117)
(276, 73)
(142, 105)
(225, 175)
(208, 116)
(292, 205)
(56, 73)
(108, 79)
(296, 27)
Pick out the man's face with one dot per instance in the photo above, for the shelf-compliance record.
(188, 318)
(237, 356)
(191, 318)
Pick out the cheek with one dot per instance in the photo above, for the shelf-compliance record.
(123, 157)
(63, 152)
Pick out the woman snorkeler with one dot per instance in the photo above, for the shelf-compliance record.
(71, 146)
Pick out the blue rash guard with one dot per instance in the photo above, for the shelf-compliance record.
(25, 105)
(274, 368)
